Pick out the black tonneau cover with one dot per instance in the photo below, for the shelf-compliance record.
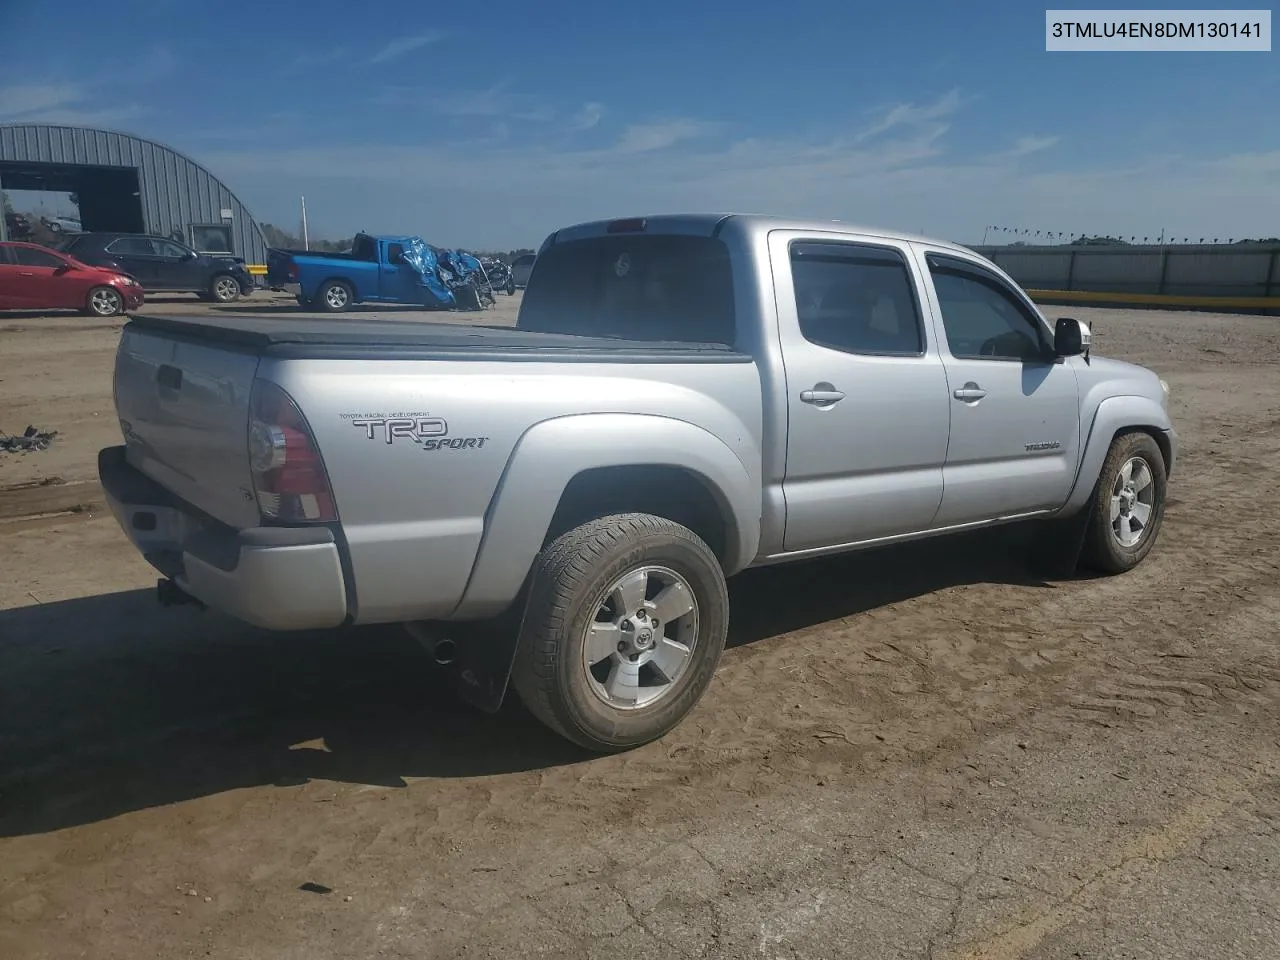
(408, 339)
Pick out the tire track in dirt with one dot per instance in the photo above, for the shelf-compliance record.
(52, 496)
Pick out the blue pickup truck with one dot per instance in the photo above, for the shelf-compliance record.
(377, 270)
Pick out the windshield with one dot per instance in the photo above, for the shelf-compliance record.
(633, 287)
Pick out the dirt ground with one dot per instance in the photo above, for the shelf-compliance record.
(923, 752)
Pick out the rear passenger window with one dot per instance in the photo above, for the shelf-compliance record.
(132, 247)
(856, 299)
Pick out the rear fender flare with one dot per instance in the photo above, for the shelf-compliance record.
(553, 452)
(1114, 414)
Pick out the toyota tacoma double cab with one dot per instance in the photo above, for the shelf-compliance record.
(556, 506)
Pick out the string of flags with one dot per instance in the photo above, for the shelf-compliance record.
(1059, 235)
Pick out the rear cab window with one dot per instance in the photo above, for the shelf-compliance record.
(654, 287)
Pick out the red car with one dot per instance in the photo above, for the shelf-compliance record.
(36, 278)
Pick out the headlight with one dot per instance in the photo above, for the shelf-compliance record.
(1165, 387)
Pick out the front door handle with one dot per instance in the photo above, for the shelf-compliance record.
(822, 395)
(22, 274)
(970, 392)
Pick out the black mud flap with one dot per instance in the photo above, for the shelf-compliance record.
(1056, 550)
(484, 652)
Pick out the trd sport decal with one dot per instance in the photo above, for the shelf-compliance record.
(430, 433)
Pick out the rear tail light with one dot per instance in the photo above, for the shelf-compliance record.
(294, 272)
(289, 478)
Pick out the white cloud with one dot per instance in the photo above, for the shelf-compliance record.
(588, 117)
(398, 48)
(912, 114)
(646, 137)
(1027, 145)
(22, 99)
(151, 67)
(64, 103)
(915, 179)
(495, 101)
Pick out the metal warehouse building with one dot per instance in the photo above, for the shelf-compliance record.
(130, 185)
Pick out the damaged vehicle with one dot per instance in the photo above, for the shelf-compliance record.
(384, 269)
(557, 506)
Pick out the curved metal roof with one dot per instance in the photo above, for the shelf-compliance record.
(176, 191)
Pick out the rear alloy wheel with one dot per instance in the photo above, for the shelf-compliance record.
(626, 621)
(334, 297)
(224, 289)
(105, 302)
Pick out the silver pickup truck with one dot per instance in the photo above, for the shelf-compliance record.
(556, 506)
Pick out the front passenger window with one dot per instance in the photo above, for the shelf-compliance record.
(983, 322)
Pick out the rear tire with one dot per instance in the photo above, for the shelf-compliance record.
(334, 296)
(104, 302)
(1128, 505)
(595, 670)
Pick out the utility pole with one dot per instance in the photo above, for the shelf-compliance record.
(306, 240)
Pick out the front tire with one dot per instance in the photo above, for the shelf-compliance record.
(333, 297)
(626, 621)
(224, 289)
(1128, 505)
(104, 302)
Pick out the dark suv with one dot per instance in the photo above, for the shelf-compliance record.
(162, 265)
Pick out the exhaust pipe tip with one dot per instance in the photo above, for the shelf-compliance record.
(440, 648)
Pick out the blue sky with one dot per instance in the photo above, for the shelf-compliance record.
(489, 125)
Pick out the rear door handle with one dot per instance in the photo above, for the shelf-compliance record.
(822, 395)
(969, 393)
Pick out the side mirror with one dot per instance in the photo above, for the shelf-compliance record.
(192, 255)
(62, 268)
(1071, 337)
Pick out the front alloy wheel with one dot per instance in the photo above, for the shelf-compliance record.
(225, 289)
(1127, 506)
(105, 302)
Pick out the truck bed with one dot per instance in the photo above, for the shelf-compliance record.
(358, 339)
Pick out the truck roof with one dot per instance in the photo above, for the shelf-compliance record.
(707, 224)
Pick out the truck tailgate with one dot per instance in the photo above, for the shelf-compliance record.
(184, 412)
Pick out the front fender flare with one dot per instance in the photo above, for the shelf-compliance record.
(552, 452)
(1113, 415)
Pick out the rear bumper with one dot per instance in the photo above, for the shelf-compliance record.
(279, 578)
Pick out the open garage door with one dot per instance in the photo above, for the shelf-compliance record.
(109, 197)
